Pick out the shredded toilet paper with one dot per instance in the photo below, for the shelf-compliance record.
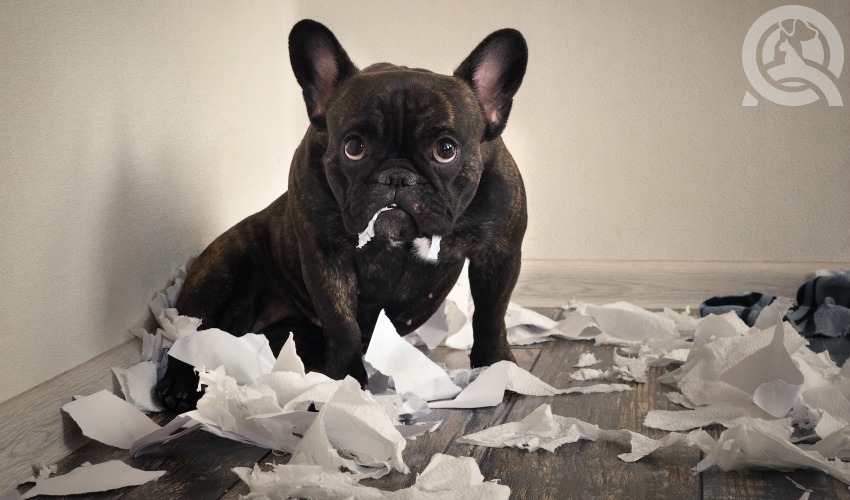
(445, 477)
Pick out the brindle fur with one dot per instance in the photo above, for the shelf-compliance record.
(294, 266)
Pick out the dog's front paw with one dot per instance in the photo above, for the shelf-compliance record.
(339, 370)
(486, 355)
(178, 389)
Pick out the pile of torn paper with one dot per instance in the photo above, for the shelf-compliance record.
(784, 406)
(253, 397)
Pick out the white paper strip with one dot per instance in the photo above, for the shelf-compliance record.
(93, 478)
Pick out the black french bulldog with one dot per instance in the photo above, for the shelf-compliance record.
(424, 147)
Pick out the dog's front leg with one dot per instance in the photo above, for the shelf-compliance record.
(492, 278)
(332, 284)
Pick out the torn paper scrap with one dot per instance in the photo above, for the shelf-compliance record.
(434, 251)
(643, 445)
(172, 325)
(169, 432)
(832, 401)
(45, 471)
(596, 389)
(722, 370)
(457, 477)
(288, 359)
(488, 389)
(367, 234)
(245, 358)
(109, 419)
(414, 430)
(543, 430)
(409, 368)
(352, 424)
(445, 477)
(137, 384)
(835, 445)
(315, 395)
(226, 407)
(576, 325)
(624, 323)
(93, 478)
(453, 319)
(588, 374)
(765, 444)
(526, 327)
(428, 249)
(769, 375)
(807, 491)
(629, 369)
(451, 324)
(586, 359)
(679, 399)
(725, 414)
(539, 430)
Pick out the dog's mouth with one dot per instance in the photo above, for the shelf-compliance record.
(390, 222)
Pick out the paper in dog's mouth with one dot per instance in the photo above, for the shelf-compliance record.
(393, 225)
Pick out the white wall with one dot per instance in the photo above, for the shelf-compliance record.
(133, 133)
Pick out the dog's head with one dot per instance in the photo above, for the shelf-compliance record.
(405, 138)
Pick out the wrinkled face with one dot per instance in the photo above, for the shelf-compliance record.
(406, 139)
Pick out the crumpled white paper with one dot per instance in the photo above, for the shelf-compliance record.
(543, 430)
(753, 443)
(93, 478)
(367, 234)
(138, 382)
(351, 430)
(766, 444)
(445, 477)
(109, 419)
(586, 359)
(488, 389)
(246, 358)
(451, 324)
(410, 370)
(620, 323)
(352, 425)
(757, 382)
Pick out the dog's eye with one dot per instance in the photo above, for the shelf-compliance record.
(355, 148)
(445, 151)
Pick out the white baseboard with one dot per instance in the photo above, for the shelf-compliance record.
(551, 283)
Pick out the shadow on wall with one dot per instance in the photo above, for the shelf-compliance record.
(152, 216)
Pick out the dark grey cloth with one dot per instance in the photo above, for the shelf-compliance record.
(747, 305)
(823, 307)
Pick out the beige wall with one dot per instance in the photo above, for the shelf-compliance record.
(132, 133)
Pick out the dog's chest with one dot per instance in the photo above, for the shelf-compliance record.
(397, 275)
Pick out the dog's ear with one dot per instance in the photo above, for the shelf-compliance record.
(495, 70)
(320, 64)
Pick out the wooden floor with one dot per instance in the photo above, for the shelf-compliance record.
(199, 464)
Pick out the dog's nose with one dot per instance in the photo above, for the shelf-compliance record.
(397, 177)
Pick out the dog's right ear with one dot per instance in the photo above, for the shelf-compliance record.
(320, 64)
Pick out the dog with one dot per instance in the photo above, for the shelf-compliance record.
(402, 176)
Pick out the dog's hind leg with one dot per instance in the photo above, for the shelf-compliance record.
(222, 288)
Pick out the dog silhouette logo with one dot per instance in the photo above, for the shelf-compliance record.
(793, 56)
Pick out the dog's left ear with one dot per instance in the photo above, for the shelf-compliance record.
(495, 70)
(320, 65)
